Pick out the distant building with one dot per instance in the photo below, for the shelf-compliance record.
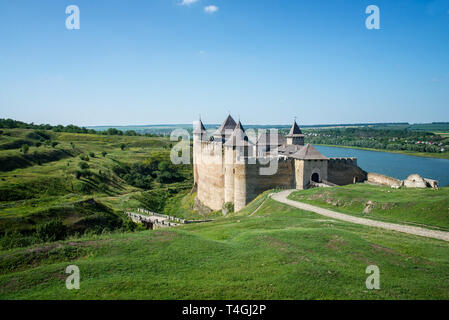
(228, 165)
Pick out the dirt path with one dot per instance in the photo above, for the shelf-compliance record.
(282, 197)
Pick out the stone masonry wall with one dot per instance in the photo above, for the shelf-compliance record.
(210, 175)
(342, 171)
(383, 180)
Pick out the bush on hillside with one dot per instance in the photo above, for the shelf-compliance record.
(83, 165)
(52, 230)
(25, 148)
(15, 239)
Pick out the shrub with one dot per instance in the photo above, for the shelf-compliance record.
(83, 165)
(54, 144)
(227, 207)
(43, 135)
(91, 154)
(122, 146)
(129, 225)
(38, 144)
(78, 174)
(84, 158)
(16, 239)
(104, 153)
(102, 187)
(25, 148)
(52, 230)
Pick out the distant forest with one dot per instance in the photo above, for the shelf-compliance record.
(401, 136)
(12, 124)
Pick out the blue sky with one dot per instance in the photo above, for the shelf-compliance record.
(266, 61)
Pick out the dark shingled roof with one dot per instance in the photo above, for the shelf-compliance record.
(294, 130)
(238, 137)
(228, 124)
(308, 152)
(289, 149)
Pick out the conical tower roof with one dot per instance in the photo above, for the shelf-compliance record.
(199, 128)
(228, 124)
(294, 130)
(238, 137)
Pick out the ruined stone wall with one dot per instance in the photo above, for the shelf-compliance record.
(381, 179)
(342, 171)
(210, 175)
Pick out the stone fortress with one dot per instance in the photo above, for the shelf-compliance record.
(232, 169)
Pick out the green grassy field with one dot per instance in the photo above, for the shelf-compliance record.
(425, 207)
(278, 253)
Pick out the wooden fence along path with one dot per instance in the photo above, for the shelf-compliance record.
(153, 220)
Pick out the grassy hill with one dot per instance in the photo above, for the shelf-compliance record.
(423, 207)
(85, 180)
(278, 253)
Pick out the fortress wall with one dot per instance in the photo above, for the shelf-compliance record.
(383, 180)
(257, 183)
(240, 186)
(210, 175)
(299, 174)
(310, 167)
(342, 171)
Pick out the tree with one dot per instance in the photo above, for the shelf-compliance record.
(54, 144)
(25, 148)
(122, 146)
(104, 153)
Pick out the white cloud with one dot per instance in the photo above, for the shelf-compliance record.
(211, 9)
(202, 52)
(188, 2)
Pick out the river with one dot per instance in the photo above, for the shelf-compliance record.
(395, 165)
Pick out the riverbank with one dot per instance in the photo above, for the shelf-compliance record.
(444, 155)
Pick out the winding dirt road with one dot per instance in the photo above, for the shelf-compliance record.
(282, 197)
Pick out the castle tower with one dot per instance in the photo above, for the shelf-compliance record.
(199, 135)
(241, 148)
(295, 136)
